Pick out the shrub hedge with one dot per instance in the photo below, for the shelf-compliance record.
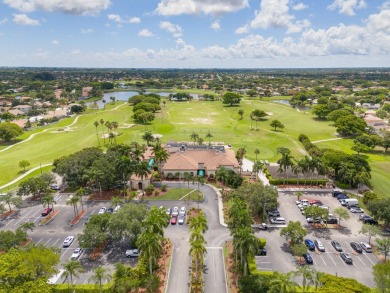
(83, 288)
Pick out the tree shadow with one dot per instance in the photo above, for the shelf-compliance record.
(322, 233)
(344, 230)
(8, 143)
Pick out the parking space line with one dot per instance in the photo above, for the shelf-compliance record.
(360, 260)
(37, 212)
(39, 241)
(66, 250)
(331, 258)
(47, 242)
(366, 255)
(322, 259)
(56, 241)
(8, 222)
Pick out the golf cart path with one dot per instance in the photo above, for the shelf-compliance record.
(330, 139)
(73, 123)
(24, 175)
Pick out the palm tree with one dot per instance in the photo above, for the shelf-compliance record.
(282, 284)
(197, 251)
(137, 152)
(240, 156)
(257, 167)
(150, 245)
(99, 274)
(209, 136)
(316, 278)
(96, 175)
(48, 200)
(241, 113)
(97, 133)
(246, 243)
(221, 174)
(286, 160)
(73, 202)
(156, 221)
(72, 269)
(148, 137)
(161, 155)
(80, 193)
(194, 136)
(102, 124)
(307, 276)
(257, 152)
(116, 201)
(199, 222)
(142, 170)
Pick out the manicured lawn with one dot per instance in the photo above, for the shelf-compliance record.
(175, 194)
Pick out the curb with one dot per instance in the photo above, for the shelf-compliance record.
(170, 266)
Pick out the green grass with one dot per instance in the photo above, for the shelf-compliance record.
(176, 194)
(177, 121)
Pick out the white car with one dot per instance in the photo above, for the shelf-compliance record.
(132, 253)
(102, 210)
(319, 245)
(68, 241)
(357, 210)
(117, 208)
(76, 253)
(175, 211)
(182, 211)
(366, 247)
(181, 220)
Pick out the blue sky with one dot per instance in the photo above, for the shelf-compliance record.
(195, 33)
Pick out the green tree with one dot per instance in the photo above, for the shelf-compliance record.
(231, 99)
(306, 273)
(240, 154)
(294, 232)
(96, 124)
(257, 152)
(48, 200)
(148, 137)
(73, 201)
(341, 214)
(246, 243)
(276, 124)
(369, 231)
(197, 251)
(286, 161)
(383, 246)
(199, 222)
(23, 164)
(9, 131)
(241, 113)
(282, 283)
(150, 245)
(221, 174)
(251, 93)
(380, 209)
(102, 124)
(9, 200)
(72, 269)
(99, 274)
(156, 220)
(299, 250)
(385, 143)
(116, 201)
(350, 125)
(194, 137)
(321, 111)
(381, 272)
(209, 136)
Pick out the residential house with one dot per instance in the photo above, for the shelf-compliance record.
(85, 92)
(24, 108)
(16, 112)
(376, 123)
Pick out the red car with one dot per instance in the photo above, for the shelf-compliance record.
(46, 211)
(174, 220)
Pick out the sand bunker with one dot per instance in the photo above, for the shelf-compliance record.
(125, 125)
(157, 135)
(270, 113)
(65, 129)
(202, 120)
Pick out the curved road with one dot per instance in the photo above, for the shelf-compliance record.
(216, 235)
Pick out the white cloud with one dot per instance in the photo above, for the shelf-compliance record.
(242, 30)
(145, 33)
(174, 29)
(216, 26)
(299, 6)
(23, 19)
(80, 7)
(275, 14)
(215, 7)
(114, 17)
(3, 21)
(135, 20)
(347, 7)
(87, 30)
(380, 21)
(55, 42)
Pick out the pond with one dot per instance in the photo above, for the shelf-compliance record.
(287, 102)
(124, 96)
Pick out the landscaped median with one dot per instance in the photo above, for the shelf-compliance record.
(49, 217)
(78, 217)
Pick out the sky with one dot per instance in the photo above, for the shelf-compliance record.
(195, 33)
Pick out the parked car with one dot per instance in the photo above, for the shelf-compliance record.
(363, 216)
(175, 211)
(356, 246)
(263, 226)
(336, 245)
(366, 247)
(319, 245)
(181, 219)
(117, 208)
(46, 211)
(346, 257)
(312, 221)
(337, 192)
(262, 251)
(110, 210)
(174, 219)
(182, 211)
(370, 221)
(356, 210)
(54, 187)
(278, 221)
(274, 213)
(342, 196)
(310, 244)
(308, 258)
(68, 241)
(132, 253)
(330, 220)
(102, 210)
(76, 253)
(168, 211)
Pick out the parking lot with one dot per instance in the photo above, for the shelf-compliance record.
(328, 261)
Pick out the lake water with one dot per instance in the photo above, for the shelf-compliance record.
(287, 102)
(124, 96)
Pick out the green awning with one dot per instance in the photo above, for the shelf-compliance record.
(201, 173)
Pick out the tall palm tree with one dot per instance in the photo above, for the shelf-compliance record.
(150, 245)
(96, 123)
(148, 137)
(99, 274)
(246, 243)
(286, 161)
(197, 251)
(257, 167)
(102, 124)
(307, 276)
(73, 202)
(209, 136)
(72, 269)
(199, 222)
(80, 193)
(257, 152)
(161, 155)
(48, 200)
(241, 113)
(221, 174)
(96, 175)
(142, 170)
(156, 221)
(137, 152)
(283, 284)
(316, 277)
(194, 137)
(240, 156)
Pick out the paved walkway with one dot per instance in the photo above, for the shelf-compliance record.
(248, 165)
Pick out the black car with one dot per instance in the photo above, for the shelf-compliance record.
(330, 221)
(308, 258)
(346, 257)
(110, 210)
(356, 246)
(342, 196)
(336, 245)
(337, 193)
(262, 251)
(370, 221)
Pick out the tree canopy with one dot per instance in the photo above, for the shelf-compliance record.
(9, 131)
